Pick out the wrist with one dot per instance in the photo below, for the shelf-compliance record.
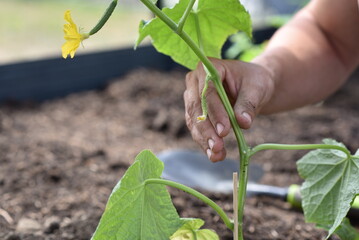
(270, 68)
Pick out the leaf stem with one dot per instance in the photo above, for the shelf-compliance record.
(273, 146)
(185, 16)
(198, 31)
(168, 21)
(196, 194)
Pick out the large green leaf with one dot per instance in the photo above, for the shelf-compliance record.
(216, 21)
(332, 182)
(137, 211)
(190, 230)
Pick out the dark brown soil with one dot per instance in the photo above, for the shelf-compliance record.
(60, 159)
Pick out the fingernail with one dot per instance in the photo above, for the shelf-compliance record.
(209, 153)
(247, 117)
(210, 143)
(220, 128)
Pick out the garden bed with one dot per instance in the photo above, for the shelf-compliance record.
(60, 159)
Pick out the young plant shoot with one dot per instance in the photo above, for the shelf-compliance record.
(140, 206)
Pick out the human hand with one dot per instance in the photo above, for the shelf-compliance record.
(249, 87)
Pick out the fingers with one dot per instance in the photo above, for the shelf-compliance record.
(216, 112)
(254, 92)
(245, 110)
(249, 87)
(210, 132)
(204, 134)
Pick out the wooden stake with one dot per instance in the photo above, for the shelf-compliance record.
(235, 206)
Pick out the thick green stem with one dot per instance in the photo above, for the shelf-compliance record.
(273, 146)
(196, 194)
(242, 144)
(104, 18)
(185, 16)
(242, 192)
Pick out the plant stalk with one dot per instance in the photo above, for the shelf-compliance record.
(185, 16)
(274, 146)
(235, 205)
(242, 144)
(196, 194)
(168, 21)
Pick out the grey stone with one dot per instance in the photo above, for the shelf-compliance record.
(27, 225)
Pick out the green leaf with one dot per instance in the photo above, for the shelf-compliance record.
(345, 231)
(190, 231)
(243, 47)
(136, 210)
(249, 54)
(278, 21)
(331, 185)
(213, 21)
(240, 42)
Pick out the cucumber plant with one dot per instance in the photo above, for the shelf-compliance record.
(140, 206)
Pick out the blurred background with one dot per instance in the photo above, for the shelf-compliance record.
(70, 128)
(32, 29)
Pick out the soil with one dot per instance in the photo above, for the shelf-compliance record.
(61, 158)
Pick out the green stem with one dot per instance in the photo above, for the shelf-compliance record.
(196, 194)
(168, 21)
(203, 98)
(242, 192)
(208, 74)
(185, 16)
(273, 146)
(242, 144)
(198, 31)
(104, 18)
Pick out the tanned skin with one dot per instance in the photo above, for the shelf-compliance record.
(306, 61)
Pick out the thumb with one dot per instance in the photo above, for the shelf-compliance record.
(245, 109)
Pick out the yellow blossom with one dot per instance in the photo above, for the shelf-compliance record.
(72, 36)
(201, 118)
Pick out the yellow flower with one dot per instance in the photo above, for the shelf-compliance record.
(201, 118)
(72, 36)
